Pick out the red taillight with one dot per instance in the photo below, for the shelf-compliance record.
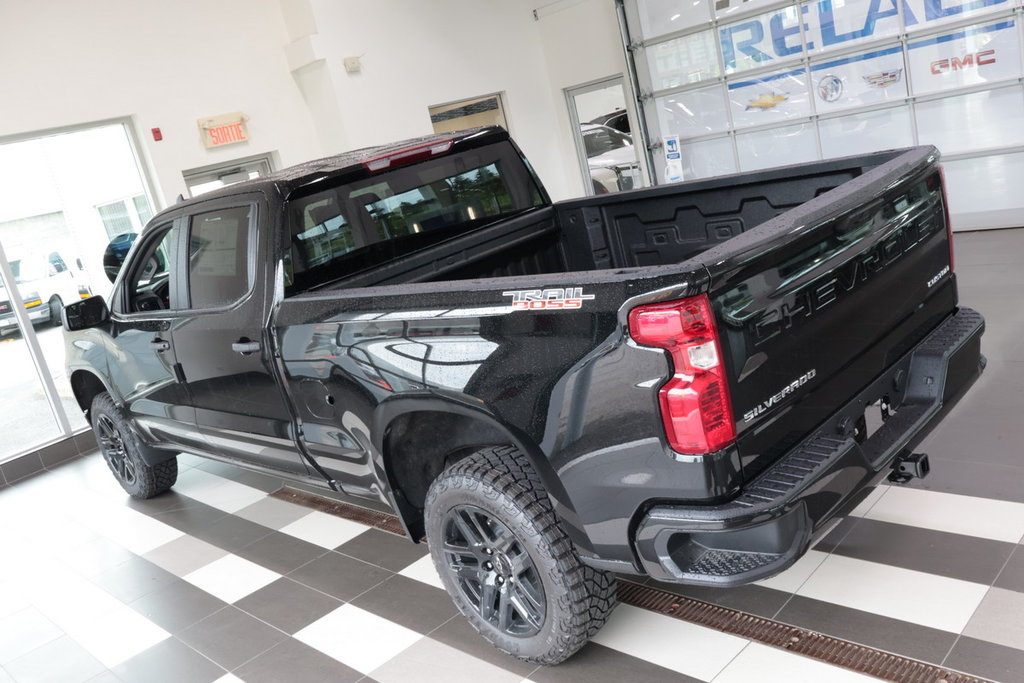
(695, 406)
(945, 209)
(407, 155)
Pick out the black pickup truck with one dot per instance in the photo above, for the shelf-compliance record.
(686, 382)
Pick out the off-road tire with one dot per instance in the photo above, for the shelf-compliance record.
(122, 451)
(501, 482)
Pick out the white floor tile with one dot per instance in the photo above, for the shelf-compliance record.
(926, 599)
(23, 631)
(185, 555)
(118, 636)
(794, 577)
(687, 648)
(357, 638)
(130, 529)
(218, 492)
(229, 678)
(423, 570)
(997, 520)
(876, 495)
(231, 578)
(326, 531)
(766, 664)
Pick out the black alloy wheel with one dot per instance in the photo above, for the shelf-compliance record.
(126, 455)
(494, 571)
(112, 446)
(507, 563)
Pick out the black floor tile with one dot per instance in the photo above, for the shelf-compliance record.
(191, 519)
(231, 637)
(383, 549)
(408, 602)
(457, 633)
(935, 552)
(232, 533)
(884, 633)
(177, 606)
(21, 467)
(597, 664)
(170, 661)
(280, 552)
(338, 575)
(1012, 576)
(288, 605)
(973, 478)
(165, 502)
(981, 658)
(296, 662)
(134, 579)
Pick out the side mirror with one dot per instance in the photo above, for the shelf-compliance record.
(116, 253)
(81, 315)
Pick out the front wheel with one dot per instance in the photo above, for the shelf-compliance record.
(56, 306)
(122, 452)
(506, 561)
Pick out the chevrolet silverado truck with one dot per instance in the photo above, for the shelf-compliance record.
(685, 382)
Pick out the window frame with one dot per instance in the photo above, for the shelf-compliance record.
(251, 249)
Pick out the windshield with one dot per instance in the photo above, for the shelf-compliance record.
(601, 140)
(347, 229)
(29, 269)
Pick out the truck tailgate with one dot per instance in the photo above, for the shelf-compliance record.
(815, 303)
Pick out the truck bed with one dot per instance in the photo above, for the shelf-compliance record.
(649, 227)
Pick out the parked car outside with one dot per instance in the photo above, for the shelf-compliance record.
(46, 284)
(610, 157)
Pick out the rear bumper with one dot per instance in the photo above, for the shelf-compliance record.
(770, 524)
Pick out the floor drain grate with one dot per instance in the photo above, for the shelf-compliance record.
(374, 518)
(824, 648)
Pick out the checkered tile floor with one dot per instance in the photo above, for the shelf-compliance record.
(217, 581)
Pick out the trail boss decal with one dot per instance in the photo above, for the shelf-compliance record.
(777, 398)
(547, 299)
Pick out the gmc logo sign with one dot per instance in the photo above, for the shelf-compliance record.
(957, 64)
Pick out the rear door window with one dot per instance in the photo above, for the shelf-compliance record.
(219, 267)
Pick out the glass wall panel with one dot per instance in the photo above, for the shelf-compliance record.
(970, 56)
(693, 113)
(858, 80)
(776, 147)
(683, 60)
(707, 158)
(658, 17)
(868, 132)
(61, 197)
(26, 420)
(985, 184)
(993, 119)
(771, 97)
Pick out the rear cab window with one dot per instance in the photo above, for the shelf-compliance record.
(355, 226)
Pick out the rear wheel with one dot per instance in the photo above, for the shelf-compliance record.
(506, 561)
(56, 306)
(122, 452)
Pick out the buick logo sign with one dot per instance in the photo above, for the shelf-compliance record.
(830, 88)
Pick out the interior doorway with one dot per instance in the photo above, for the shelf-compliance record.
(216, 176)
(602, 126)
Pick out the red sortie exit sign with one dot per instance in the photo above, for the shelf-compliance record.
(226, 129)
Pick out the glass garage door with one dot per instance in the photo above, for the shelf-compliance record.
(761, 83)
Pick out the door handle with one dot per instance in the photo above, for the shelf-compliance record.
(245, 347)
(159, 344)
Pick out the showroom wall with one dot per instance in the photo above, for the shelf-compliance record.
(68, 63)
(281, 63)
